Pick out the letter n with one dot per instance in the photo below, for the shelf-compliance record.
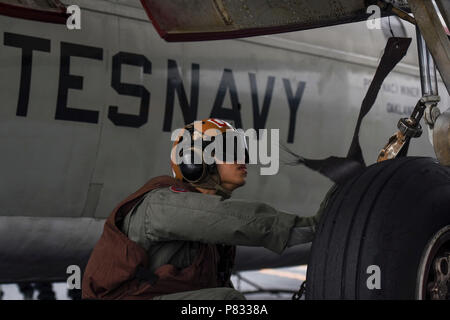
(175, 86)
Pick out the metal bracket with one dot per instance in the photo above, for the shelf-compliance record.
(432, 111)
(388, 7)
(408, 128)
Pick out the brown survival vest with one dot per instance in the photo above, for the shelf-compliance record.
(114, 267)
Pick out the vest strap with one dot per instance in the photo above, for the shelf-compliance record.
(145, 275)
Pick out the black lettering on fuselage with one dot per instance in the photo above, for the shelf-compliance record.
(175, 86)
(294, 103)
(134, 90)
(68, 81)
(218, 111)
(28, 45)
(260, 118)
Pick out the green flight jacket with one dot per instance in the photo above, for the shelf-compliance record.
(169, 224)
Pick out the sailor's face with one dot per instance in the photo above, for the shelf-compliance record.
(232, 175)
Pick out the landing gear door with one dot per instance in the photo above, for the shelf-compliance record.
(46, 11)
(194, 20)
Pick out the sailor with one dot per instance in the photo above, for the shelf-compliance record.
(175, 238)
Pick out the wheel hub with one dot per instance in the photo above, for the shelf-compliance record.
(434, 269)
(439, 289)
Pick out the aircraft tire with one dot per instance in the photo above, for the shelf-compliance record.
(384, 233)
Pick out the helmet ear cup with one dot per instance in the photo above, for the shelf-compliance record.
(191, 171)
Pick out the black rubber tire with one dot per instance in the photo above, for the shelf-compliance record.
(383, 217)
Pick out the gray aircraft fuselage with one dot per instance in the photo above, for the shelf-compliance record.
(87, 117)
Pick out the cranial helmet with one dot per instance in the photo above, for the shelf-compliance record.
(201, 134)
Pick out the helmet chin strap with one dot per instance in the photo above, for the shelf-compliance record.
(221, 191)
(212, 182)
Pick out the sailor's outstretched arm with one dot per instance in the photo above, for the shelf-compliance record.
(206, 218)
